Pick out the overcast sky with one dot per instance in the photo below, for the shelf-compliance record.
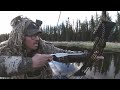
(48, 17)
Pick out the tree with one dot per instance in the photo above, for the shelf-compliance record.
(92, 28)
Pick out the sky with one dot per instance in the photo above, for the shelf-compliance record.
(48, 17)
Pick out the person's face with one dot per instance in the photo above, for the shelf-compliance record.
(31, 42)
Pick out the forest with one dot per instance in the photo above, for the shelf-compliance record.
(75, 31)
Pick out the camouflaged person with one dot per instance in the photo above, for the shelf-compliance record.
(25, 55)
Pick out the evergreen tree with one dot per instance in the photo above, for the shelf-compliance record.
(92, 28)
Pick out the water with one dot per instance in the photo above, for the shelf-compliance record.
(109, 68)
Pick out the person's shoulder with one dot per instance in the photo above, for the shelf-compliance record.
(3, 43)
(47, 42)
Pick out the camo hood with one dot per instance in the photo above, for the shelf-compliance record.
(15, 42)
(14, 47)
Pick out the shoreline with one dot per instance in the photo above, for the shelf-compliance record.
(81, 46)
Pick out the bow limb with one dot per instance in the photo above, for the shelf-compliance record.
(101, 36)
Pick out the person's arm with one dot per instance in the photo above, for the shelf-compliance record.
(51, 49)
(14, 65)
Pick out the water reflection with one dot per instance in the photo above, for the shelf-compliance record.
(64, 70)
(109, 68)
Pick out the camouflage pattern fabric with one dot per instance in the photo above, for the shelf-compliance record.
(15, 63)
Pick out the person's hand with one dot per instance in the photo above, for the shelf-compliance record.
(100, 57)
(40, 60)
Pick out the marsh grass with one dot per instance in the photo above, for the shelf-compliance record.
(110, 47)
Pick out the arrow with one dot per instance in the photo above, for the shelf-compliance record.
(58, 55)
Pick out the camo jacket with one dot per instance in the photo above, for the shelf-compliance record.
(18, 67)
(14, 64)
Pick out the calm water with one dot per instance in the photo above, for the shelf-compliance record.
(109, 68)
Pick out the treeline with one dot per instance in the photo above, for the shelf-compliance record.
(76, 31)
(79, 31)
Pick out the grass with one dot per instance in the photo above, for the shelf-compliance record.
(110, 47)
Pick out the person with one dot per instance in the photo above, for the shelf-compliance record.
(25, 55)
